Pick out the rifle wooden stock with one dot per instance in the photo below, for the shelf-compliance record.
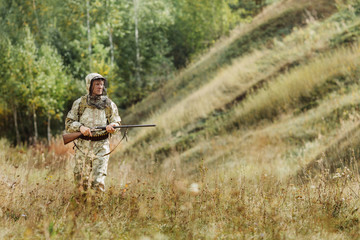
(69, 137)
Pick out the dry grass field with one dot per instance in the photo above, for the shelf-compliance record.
(38, 201)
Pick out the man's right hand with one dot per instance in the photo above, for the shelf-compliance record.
(85, 131)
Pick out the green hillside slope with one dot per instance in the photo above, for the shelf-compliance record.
(275, 22)
(284, 65)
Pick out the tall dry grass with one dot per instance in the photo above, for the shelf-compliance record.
(281, 148)
(224, 204)
(286, 91)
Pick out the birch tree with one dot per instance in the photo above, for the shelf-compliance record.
(29, 68)
(88, 31)
(55, 82)
(9, 92)
(108, 6)
(138, 64)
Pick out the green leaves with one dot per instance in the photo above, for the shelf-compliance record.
(197, 24)
(34, 79)
(49, 46)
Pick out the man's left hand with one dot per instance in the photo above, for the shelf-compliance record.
(110, 129)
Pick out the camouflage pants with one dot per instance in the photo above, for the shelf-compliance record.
(91, 164)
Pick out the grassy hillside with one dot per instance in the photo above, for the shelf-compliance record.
(257, 139)
(275, 22)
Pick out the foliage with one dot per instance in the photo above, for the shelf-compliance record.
(35, 80)
(207, 23)
(54, 42)
(37, 77)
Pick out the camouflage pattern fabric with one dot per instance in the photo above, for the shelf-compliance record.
(91, 164)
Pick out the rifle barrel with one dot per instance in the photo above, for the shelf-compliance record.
(128, 126)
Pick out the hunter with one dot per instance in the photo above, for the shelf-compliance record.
(91, 150)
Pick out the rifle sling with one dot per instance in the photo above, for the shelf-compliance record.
(124, 137)
(82, 137)
(88, 138)
(77, 148)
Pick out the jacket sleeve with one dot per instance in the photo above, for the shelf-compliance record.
(115, 118)
(72, 123)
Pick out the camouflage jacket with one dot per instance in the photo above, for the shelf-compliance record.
(83, 114)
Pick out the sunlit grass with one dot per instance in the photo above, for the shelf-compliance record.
(287, 90)
(225, 203)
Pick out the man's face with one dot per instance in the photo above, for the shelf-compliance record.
(97, 87)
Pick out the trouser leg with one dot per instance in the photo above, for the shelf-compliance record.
(99, 172)
(100, 165)
(83, 167)
(91, 164)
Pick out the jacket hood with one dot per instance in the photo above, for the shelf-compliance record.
(89, 79)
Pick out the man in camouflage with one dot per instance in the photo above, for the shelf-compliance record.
(89, 111)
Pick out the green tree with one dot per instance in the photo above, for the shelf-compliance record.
(28, 76)
(54, 84)
(12, 89)
(153, 61)
(49, 42)
(197, 25)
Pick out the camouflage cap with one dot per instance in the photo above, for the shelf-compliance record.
(90, 77)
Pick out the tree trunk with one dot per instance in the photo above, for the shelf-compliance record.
(108, 7)
(138, 65)
(16, 125)
(36, 17)
(111, 47)
(88, 31)
(36, 135)
(49, 129)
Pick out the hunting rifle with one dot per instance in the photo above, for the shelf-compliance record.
(69, 137)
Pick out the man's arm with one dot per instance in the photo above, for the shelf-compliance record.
(115, 119)
(72, 123)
